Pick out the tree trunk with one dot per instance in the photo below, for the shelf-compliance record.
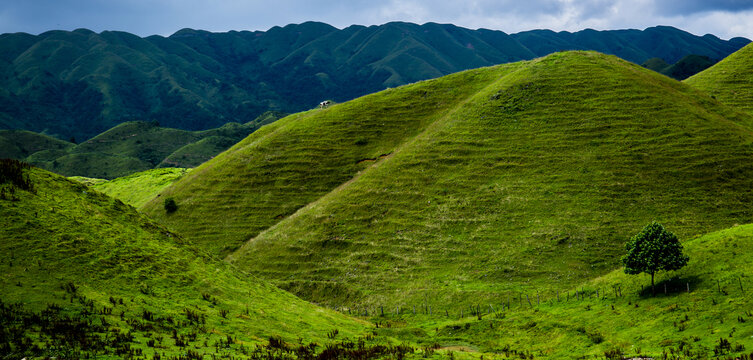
(653, 291)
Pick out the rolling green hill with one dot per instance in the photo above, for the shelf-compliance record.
(127, 148)
(19, 144)
(730, 81)
(137, 189)
(682, 69)
(526, 175)
(81, 83)
(107, 280)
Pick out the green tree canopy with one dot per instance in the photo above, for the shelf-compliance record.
(653, 249)
(170, 205)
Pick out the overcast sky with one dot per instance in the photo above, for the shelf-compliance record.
(723, 18)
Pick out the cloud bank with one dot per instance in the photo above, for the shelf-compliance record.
(724, 18)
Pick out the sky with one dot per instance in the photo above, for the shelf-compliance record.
(723, 18)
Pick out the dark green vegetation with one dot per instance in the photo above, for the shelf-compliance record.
(81, 271)
(528, 176)
(81, 83)
(652, 250)
(730, 81)
(126, 148)
(681, 70)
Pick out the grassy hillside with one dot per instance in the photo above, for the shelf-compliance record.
(532, 176)
(81, 83)
(137, 189)
(622, 320)
(296, 160)
(127, 148)
(110, 281)
(730, 81)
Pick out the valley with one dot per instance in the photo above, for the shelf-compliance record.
(479, 214)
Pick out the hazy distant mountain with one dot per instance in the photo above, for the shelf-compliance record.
(81, 83)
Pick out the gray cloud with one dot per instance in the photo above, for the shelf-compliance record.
(725, 18)
(686, 7)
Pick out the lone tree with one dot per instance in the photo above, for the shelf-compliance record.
(653, 249)
(170, 205)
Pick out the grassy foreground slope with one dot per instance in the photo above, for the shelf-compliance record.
(730, 81)
(112, 281)
(137, 189)
(705, 302)
(534, 182)
(285, 165)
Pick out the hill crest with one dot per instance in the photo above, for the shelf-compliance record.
(563, 155)
(730, 81)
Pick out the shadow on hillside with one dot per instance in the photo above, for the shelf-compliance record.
(673, 286)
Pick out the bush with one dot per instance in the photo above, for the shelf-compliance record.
(170, 205)
(12, 172)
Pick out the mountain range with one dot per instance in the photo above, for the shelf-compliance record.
(80, 83)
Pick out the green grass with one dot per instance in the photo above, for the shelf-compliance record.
(523, 176)
(296, 160)
(69, 245)
(730, 81)
(688, 324)
(137, 189)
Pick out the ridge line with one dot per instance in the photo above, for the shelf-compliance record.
(231, 256)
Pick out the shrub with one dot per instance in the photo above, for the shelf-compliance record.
(170, 205)
(12, 172)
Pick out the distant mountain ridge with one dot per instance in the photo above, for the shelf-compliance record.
(80, 83)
